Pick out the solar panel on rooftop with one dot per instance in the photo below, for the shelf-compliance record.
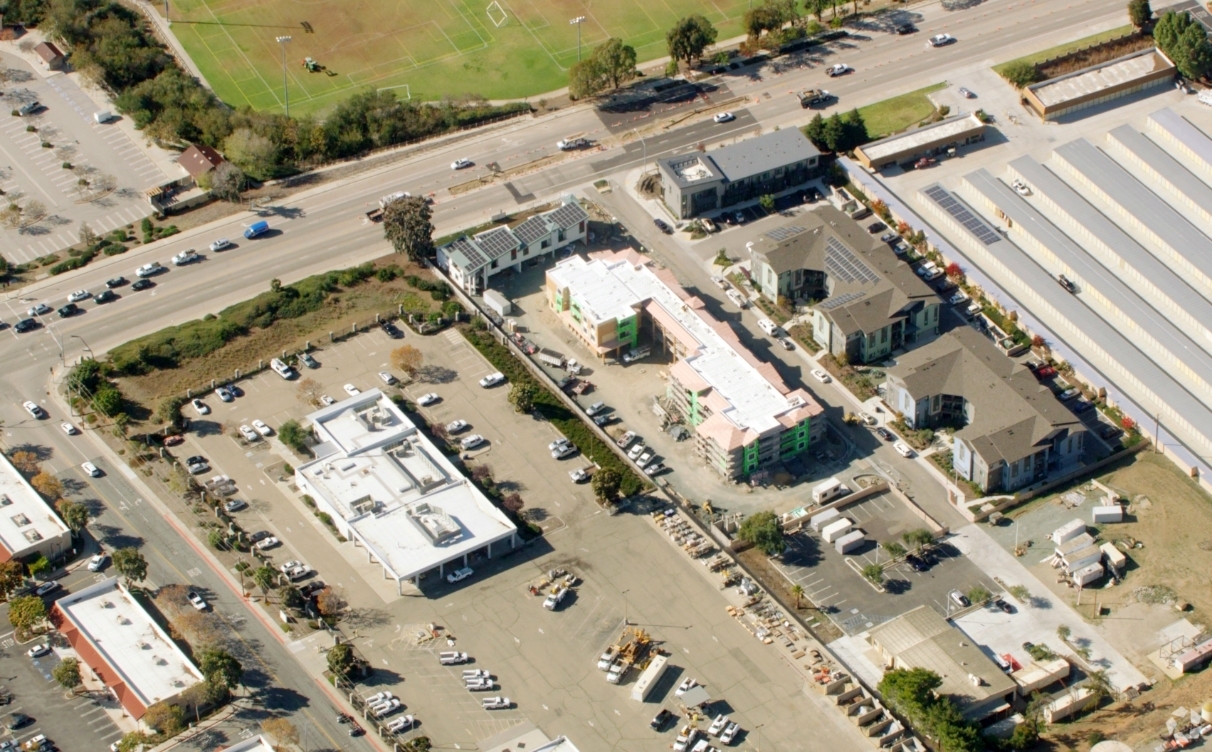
(961, 214)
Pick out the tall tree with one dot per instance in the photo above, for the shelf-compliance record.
(220, 667)
(130, 564)
(606, 484)
(26, 612)
(47, 485)
(73, 513)
(282, 730)
(615, 61)
(340, 659)
(406, 223)
(855, 130)
(834, 133)
(764, 532)
(522, 395)
(689, 38)
(909, 691)
(67, 673)
(12, 575)
(408, 359)
(585, 79)
(265, 577)
(1140, 13)
(227, 181)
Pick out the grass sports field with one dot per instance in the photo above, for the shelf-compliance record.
(423, 49)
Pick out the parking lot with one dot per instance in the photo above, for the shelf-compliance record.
(29, 171)
(544, 661)
(78, 723)
(834, 582)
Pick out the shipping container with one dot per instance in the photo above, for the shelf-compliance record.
(849, 542)
(836, 529)
(819, 521)
(1070, 529)
(1108, 514)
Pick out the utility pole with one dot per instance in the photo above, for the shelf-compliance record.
(285, 90)
(577, 23)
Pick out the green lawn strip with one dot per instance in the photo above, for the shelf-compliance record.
(1064, 49)
(898, 113)
(550, 407)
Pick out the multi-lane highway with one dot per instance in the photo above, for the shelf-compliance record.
(323, 228)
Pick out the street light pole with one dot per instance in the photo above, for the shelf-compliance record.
(285, 90)
(577, 23)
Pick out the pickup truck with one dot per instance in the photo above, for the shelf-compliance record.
(553, 600)
(813, 97)
(568, 144)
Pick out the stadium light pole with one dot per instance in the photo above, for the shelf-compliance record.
(285, 90)
(577, 23)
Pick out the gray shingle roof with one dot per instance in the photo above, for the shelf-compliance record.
(771, 151)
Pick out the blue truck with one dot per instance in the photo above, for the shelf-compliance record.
(255, 229)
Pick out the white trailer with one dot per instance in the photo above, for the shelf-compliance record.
(1067, 531)
(828, 490)
(1116, 560)
(643, 687)
(1114, 513)
(1088, 574)
(498, 302)
(849, 541)
(819, 521)
(836, 529)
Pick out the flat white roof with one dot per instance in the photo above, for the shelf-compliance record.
(614, 288)
(255, 744)
(25, 519)
(403, 498)
(918, 137)
(125, 636)
(1097, 78)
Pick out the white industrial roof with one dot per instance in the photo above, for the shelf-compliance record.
(129, 640)
(948, 129)
(398, 492)
(25, 519)
(616, 288)
(1096, 78)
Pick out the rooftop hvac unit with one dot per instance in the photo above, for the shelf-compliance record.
(107, 604)
(976, 680)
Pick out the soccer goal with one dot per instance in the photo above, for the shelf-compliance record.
(497, 14)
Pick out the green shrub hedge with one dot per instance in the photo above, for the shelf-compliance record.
(550, 407)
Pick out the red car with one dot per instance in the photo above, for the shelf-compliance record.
(1046, 372)
(173, 440)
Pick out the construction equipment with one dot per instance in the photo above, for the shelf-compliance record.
(634, 646)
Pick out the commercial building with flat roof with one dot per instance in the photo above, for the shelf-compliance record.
(1011, 431)
(471, 262)
(921, 638)
(29, 526)
(698, 183)
(873, 302)
(125, 648)
(1088, 87)
(927, 141)
(253, 744)
(396, 495)
(744, 416)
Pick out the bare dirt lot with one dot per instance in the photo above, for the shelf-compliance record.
(1172, 517)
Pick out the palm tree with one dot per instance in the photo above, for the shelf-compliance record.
(798, 592)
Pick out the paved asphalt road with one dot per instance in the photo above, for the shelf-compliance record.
(322, 228)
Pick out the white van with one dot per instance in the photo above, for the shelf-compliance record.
(768, 326)
(281, 368)
(451, 657)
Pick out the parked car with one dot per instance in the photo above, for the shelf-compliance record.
(966, 94)
(916, 564)
(625, 440)
(234, 505)
(1082, 406)
(959, 599)
(595, 408)
(561, 441)
(38, 650)
(578, 475)
(654, 468)
(1005, 607)
(1020, 188)
(1108, 431)
(456, 426)
(47, 587)
(1066, 283)
(903, 449)
(197, 601)
(224, 394)
(821, 376)
(267, 543)
(645, 458)
(663, 226)
(661, 720)
(425, 400)
(496, 703)
(387, 378)
(1068, 394)
(730, 733)
(326, 400)
(98, 562)
(352, 390)
(686, 685)
(460, 574)
(492, 379)
(636, 451)
(249, 434)
(562, 451)
(472, 441)
(307, 360)
(200, 406)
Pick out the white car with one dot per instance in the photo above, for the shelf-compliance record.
(496, 703)
(455, 426)
(249, 434)
(92, 470)
(718, 725)
(941, 40)
(460, 574)
(730, 733)
(563, 451)
(49, 586)
(687, 685)
(1068, 394)
(903, 449)
(267, 543)
(386, 378)
(425, 400)
(492, 379)
(480, 685)
(39, 309)
(32, 408)
(557, 444)
(378, 698)
(625, 440)
(223, 394)
(79, 295)
(292, 564)
(645, 458)
(326, 400)
(578, 475)
(821, 376)
(387, 708)
(185, 257)
(654, 468)
(352, 390)
(1020, 188)
(37, 650)
(220, 244)
(149, 270)
(472, 441)
(97, 563)
(401, 724)
(69, 429)
(966, 94)
(460, 163)
(957, 298)
(201, 407)
(838, 70)
(636, 451)
(260, 427)
(724, 117)
(197, 601)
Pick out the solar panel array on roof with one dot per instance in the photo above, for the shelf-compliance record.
(962, 215)
(471, 251)
(841, 264)
(568, 215)
(841, 300)
(498, 242)
(531, 230)
(782, 233)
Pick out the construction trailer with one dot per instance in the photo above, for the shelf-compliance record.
(1115, 559)
(849, 542)
(836, 529)
(819, 521)
(648, 680)
(1068, 531)
(1068, 704)
(1088, 573)
(1113, 513)
(1035, 676)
